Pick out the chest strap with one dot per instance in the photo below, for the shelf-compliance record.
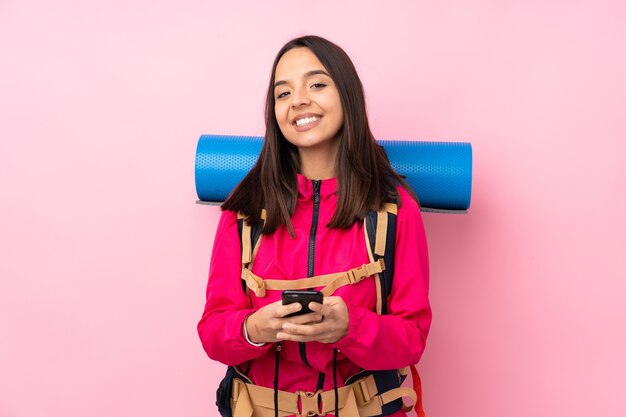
(330, 282)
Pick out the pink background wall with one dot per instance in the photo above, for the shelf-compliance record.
(104, 255)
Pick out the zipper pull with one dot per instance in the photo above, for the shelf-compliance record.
(316, 190)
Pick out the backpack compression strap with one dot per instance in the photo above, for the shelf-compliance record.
(380, 235)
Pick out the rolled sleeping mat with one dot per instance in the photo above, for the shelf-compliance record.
(440, 173)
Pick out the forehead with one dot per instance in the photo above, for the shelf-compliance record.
(297, 62)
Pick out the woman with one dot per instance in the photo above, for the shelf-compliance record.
(319, 174)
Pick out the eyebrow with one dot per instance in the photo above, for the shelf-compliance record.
(308, 74)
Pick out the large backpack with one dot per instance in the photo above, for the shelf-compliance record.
(380, 236)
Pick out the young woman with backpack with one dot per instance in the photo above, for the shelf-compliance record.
(300, 220)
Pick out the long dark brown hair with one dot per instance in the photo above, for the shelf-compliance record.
(365, 177)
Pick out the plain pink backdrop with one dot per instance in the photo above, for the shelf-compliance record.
(104, 254)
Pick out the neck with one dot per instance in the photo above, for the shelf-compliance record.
(318, 164)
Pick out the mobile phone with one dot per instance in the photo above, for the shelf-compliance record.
(304, 297)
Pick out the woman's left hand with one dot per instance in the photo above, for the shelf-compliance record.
(333, 327)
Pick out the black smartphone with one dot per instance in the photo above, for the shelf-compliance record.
(304, 297)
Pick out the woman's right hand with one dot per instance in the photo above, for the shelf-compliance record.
(263, 325)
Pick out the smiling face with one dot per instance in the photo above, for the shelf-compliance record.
(307, 104)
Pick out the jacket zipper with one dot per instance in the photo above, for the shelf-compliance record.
(317, 184)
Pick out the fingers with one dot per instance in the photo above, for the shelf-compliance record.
(301, 332)
(327, 323)
(319, 330)
(285, 310)
(308, 318)
(331, 304)
(317, 307)
(332, 326)
(323, 309)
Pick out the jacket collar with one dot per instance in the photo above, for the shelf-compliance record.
(305, 187)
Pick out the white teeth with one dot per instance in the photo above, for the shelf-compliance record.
(306, 120)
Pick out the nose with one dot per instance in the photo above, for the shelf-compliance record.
(299, 98)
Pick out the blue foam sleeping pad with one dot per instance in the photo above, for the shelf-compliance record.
(440, 173)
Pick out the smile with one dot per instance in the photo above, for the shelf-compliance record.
(306, 121)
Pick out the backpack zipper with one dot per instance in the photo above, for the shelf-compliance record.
(317, 184)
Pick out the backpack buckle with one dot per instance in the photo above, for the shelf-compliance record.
(356, 275)
(361, 392)
(308, 403)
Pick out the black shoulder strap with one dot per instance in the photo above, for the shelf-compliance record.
(386, 277)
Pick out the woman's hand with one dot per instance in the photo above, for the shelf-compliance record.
(264, 324)
(331, 326)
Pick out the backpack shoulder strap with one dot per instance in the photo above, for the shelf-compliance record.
(250, 237)
(380, 235)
